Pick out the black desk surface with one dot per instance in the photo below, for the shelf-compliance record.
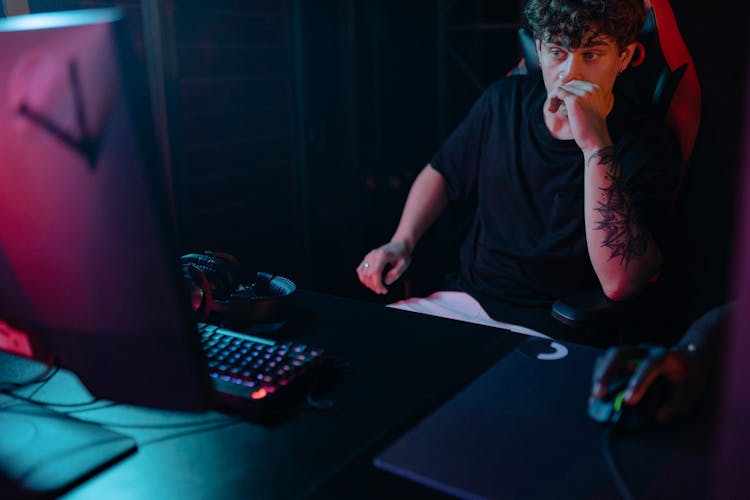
(400, 367)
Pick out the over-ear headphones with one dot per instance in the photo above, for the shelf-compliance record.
(216, 295)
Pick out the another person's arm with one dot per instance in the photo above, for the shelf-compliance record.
(688, 367)
(427, 199)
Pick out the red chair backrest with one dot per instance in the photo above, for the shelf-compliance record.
(684, 112)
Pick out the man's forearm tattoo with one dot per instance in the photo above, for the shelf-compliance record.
(623, 233)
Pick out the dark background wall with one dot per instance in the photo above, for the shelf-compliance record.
(717, 37)
(296, 127)
(385, 82)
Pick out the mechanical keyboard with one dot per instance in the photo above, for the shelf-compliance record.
(256, 375)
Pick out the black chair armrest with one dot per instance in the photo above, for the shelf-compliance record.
(592, 309)
(657, 315)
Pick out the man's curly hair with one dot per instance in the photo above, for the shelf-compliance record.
(570, 20)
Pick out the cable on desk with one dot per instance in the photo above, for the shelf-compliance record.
(199, 425)
(323, 404)
(41, 379)
(143, 444)
(50, 371)
(318, 404)
(177, 425)
(622, 487)
(214, 424)
(30, 399)
(105, 404)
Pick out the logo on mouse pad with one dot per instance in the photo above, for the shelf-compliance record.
(543, 349)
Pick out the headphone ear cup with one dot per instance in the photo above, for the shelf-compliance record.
(268, 300)
(226, 257)
(219, 269)
(199, 289)
(214, 295)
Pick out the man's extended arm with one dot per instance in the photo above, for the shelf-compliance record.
(426, 201)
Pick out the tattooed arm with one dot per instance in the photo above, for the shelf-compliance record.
(622, 251)
(623, 254)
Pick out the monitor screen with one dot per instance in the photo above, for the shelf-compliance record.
(88, 263)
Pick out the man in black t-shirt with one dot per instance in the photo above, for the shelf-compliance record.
(572, 184)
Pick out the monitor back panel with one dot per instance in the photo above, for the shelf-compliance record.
(88, 262)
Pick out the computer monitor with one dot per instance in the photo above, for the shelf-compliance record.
(89, 268)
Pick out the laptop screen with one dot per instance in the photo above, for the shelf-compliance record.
(88, 262)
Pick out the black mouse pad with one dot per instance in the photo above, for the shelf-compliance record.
(44, 453)
(521, 430)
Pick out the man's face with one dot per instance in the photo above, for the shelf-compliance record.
(597, 60)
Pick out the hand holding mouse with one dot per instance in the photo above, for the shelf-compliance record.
(671, 380)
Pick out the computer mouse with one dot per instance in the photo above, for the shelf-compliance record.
(612, 408)
(603, 408)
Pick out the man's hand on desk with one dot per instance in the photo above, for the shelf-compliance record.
(370, 270)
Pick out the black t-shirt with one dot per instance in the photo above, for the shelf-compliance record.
(527, 244)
